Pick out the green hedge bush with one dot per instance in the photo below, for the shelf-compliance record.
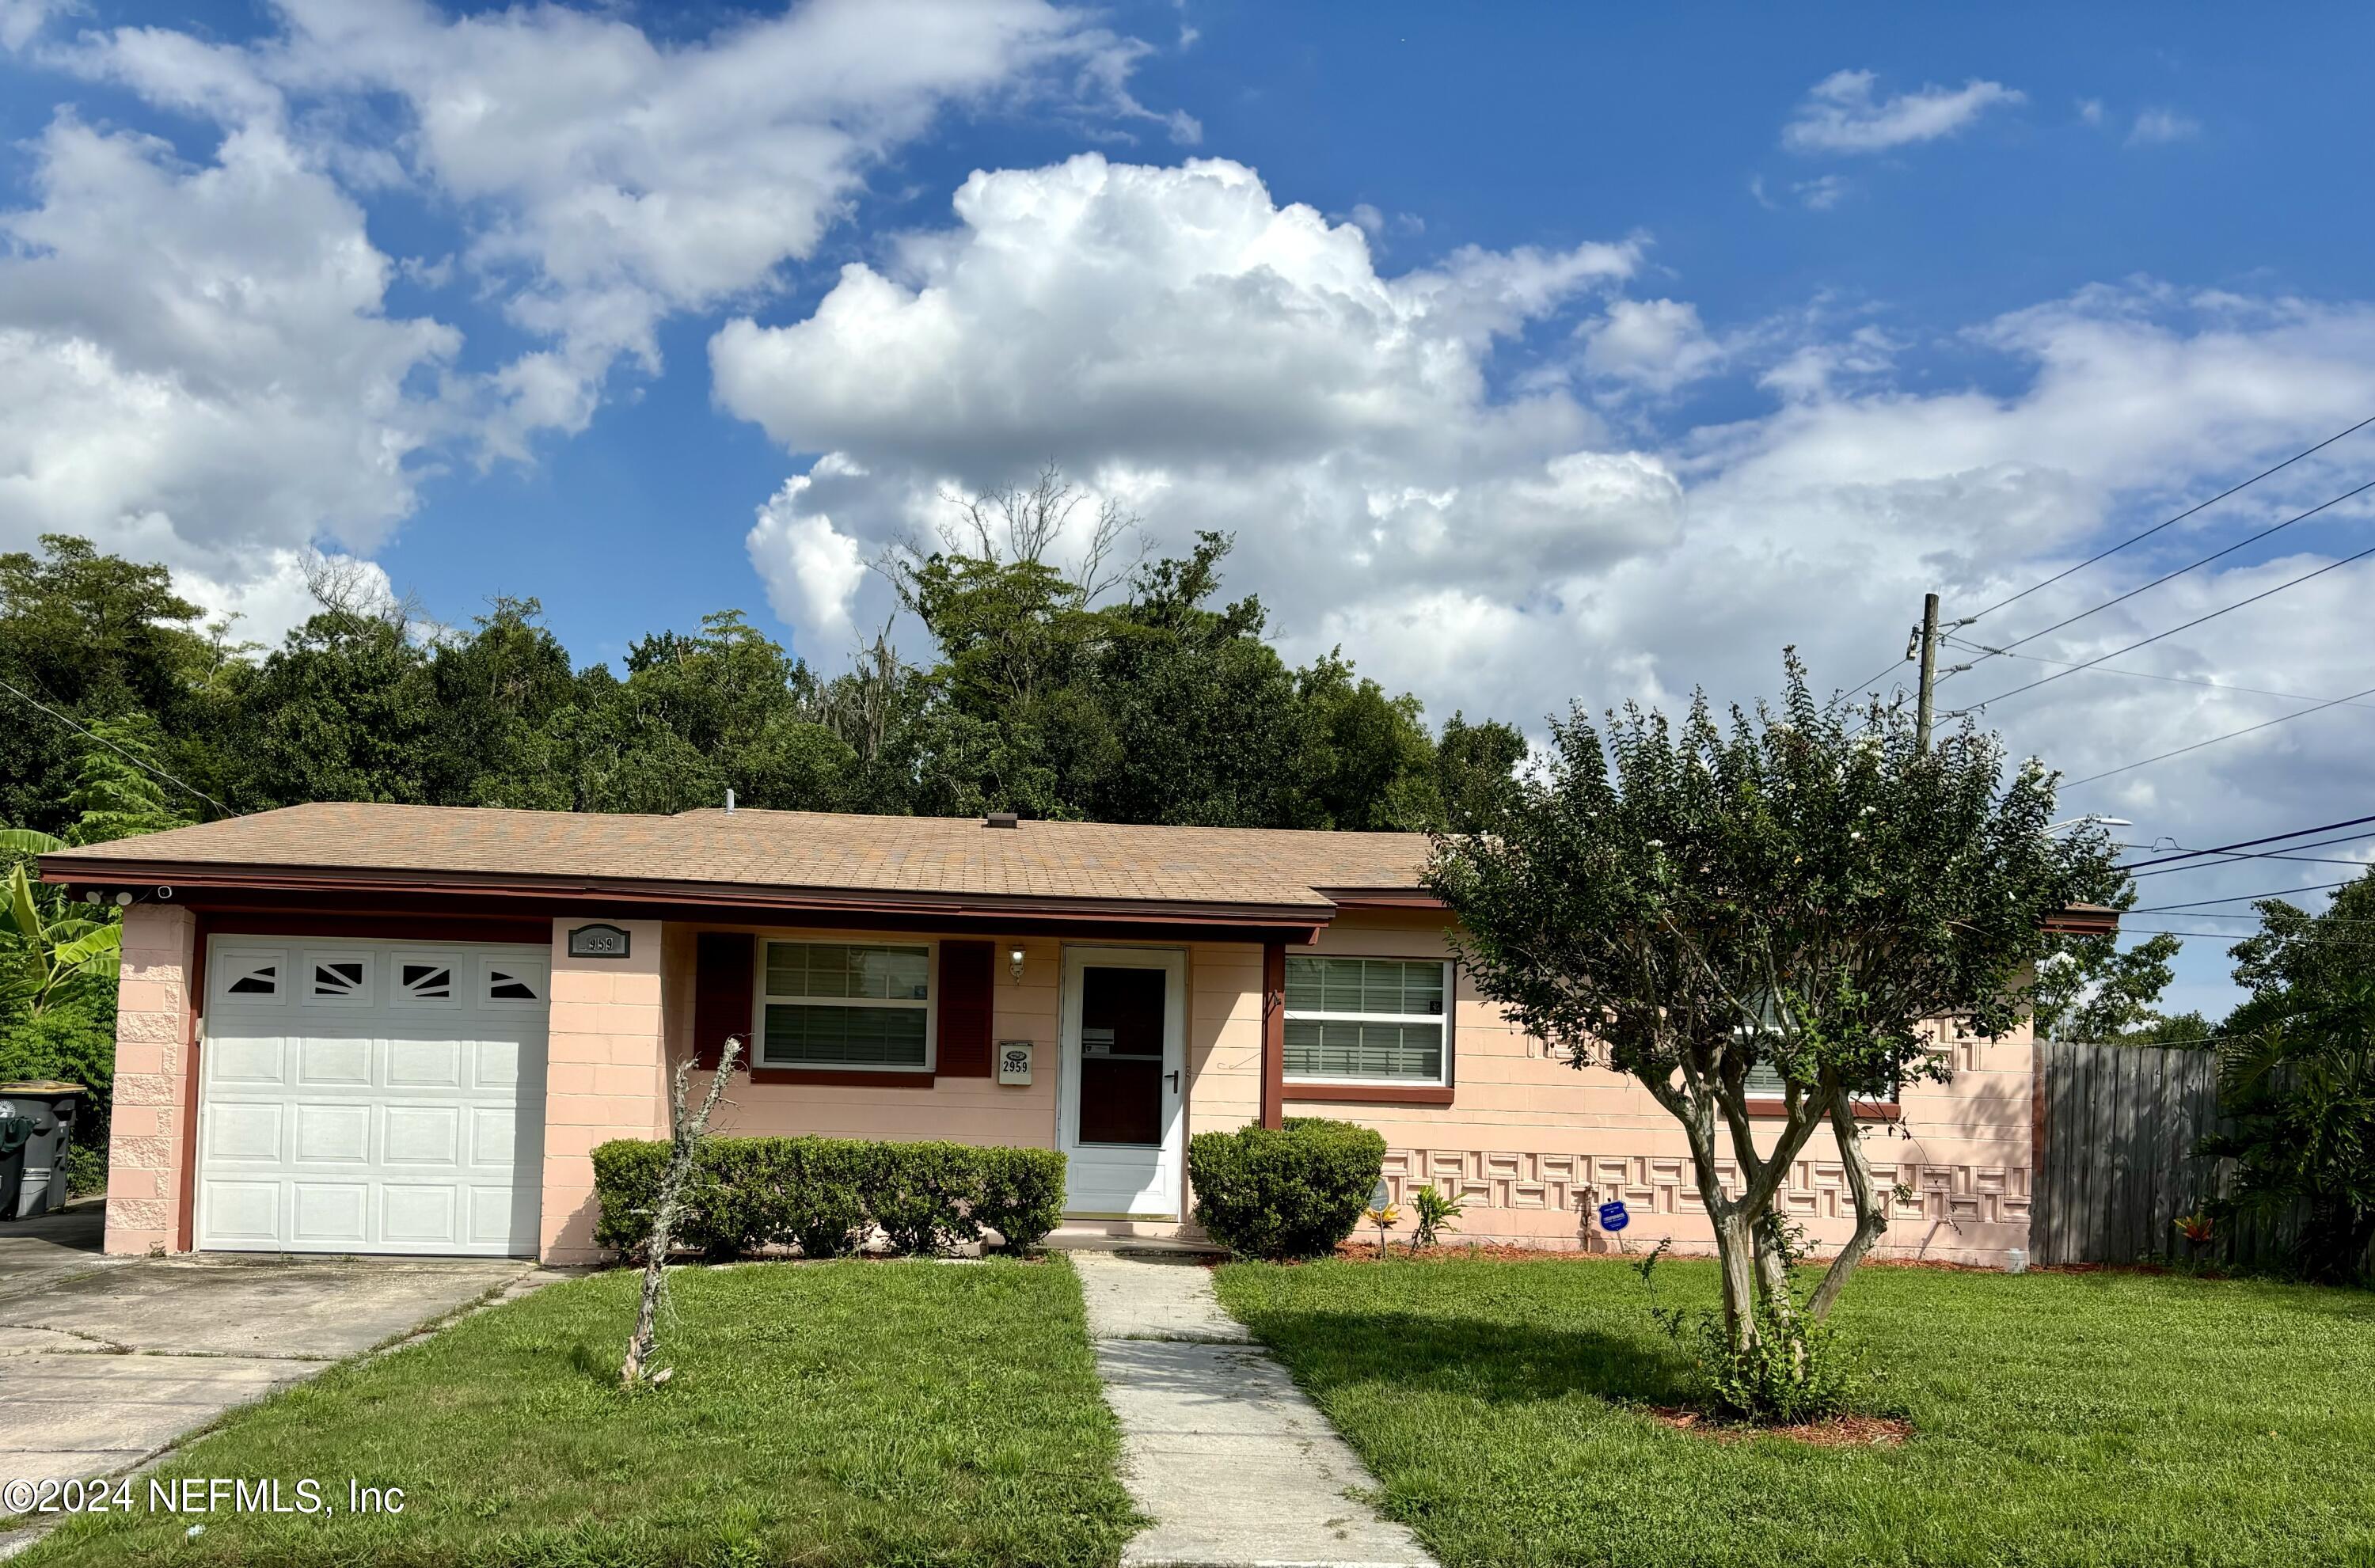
(826, 1196)
(1293, 1191)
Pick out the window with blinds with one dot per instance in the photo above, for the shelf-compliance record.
(843, 1005)
(1366, 1021)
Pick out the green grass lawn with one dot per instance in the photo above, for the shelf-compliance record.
(836, 1413)
(2107, 1417)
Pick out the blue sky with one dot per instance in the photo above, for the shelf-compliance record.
(1532, 353)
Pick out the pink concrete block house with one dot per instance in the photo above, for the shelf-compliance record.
(390, 1029)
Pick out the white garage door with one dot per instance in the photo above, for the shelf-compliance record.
(372, 1097)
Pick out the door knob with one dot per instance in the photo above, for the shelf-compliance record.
(1174, 1077)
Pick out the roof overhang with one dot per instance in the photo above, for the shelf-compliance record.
(324, 887)
(1381, 898)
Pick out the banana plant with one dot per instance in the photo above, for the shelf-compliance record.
(55, 955)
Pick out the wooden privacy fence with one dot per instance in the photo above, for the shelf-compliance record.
(2116, 1129)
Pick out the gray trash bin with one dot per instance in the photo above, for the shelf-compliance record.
(44, 1113)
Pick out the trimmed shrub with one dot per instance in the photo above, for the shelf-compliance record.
(1022, 1195)
(626, 1178)
(924, 1198)
(1287, 1192)
(827, 1195)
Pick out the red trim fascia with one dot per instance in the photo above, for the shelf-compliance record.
(186, 1221)
(1004, 910)
(432, 904)
(1273, 1044)
(845, 1078)
(1865, 1110)
(1381, 898)
(1371, 1093)
(400, 927)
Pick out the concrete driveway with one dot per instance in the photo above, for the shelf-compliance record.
(103, 1361)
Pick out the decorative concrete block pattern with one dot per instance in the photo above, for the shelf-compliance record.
(154, 1026)
(1817, 1189)
(605, 1073)
(1532, 1144)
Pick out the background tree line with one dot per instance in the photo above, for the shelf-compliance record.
(1163, 704)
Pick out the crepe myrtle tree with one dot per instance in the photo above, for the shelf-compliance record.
(1802, 890)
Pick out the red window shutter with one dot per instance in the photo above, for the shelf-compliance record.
(964, 1020)
(721, 994)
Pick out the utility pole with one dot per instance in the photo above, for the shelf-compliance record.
(1929, 636)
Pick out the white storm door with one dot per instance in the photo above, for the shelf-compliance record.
(1122, 1081)
(372, 1097)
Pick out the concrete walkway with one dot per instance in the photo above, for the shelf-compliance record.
(1234, 1465)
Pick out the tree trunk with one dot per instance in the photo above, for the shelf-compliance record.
(1735, 1245)
(1773, 1265)
(684, 1146)
(1871, 1207)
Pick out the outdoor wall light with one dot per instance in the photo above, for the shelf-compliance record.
(1014, 962)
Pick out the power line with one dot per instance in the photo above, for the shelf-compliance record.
(2181, 517)
(2323, 919)
(2238, 898)
(2149, 674)
(2187, 626)
(1988, 652)
(2253, 843)
(136, 761)
(2248, 729)
(2243, 936)
(1861, 686)
(2227, 857)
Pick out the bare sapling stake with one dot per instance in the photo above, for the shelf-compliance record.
(690, 1130)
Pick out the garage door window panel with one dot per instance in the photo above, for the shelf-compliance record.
(427, 981)
(511, 982)
(251, 977)
(338, 980)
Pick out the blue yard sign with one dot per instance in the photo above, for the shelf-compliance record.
(1612, 1217)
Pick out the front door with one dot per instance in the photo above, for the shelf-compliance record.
(1122, 1081)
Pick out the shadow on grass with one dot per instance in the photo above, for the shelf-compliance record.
(596, 1364)
(1497, 1362)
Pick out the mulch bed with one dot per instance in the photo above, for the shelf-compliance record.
(1836, 1432)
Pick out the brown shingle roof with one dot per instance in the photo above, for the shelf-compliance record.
(1056, 862)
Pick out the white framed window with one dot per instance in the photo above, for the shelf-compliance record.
(249, 977)
(834, 1005)
(340, 979)
(1368, 1020)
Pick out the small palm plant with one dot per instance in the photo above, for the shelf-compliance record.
(1436, 1214)
(1385, 1216)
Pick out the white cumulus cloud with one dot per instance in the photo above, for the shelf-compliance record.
(1656, 344)
(1188, 346)
(196, 364)
(1844, 113)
